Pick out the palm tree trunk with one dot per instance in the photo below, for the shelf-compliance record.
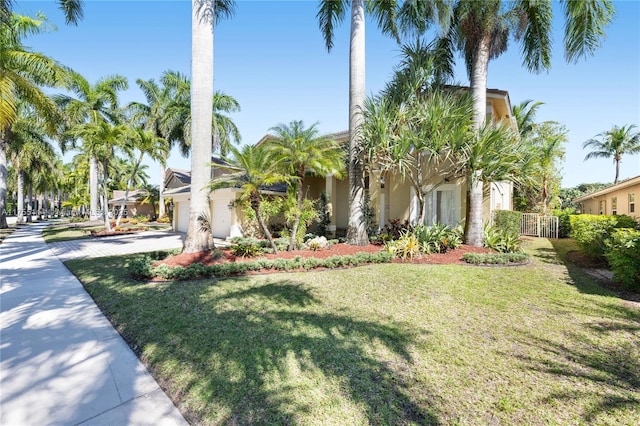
(4, 144)
(161, 210)
(30, 201)
(105, 196)
(93, 188)
(473, 224)
(20, 179)
(255, 205)
(479, 69)
(296, 222)
(199, 237)
(126, 191)
(617, 171)
(356, 231)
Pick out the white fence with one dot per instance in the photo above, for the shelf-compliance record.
(539, 226)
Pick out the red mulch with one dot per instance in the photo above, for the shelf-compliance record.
(451, 257)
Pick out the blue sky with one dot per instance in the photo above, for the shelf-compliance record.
(271, 57)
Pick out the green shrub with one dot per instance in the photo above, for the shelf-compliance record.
(592, 231)
(495, 258)
(438, 238)
(507, 221)
(500, 241)
(246, 247)
(324, 216)
(564, 221)
(623, 255)
(407, 246)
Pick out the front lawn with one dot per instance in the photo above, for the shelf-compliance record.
(384, 344)
(76, 231)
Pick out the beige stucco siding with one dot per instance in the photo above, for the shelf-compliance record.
(624, 200)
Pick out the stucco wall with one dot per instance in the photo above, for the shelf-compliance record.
(592, 205)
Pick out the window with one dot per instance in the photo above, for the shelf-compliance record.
(614, 205)
(601, 207)
(632, 203)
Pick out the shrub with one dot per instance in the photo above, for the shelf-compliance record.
(592, 231)
(246, 247)
(500, 241)
(163, 219)
(407, 246)
(495, 258)
(507, 221)
(395, 228)
(623, 255)
(142, 218)
(564, 221)
(438, 238)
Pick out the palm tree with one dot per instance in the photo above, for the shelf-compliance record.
(204, 15)
(297, 151)
(250, 169)
(92, 104)
(146, 143)
(525, 115)
(72, 10)
(29, 152)
(614, 144)
(480, 30)
(22, 74)
(330, 13)
(100, 141)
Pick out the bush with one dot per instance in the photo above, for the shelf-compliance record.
(592, 231)
(407, 246)
(438, 238)
(495, 258)
(564, 221)
(500, 241)
(623, 255)
(395, 228)
(246, 247)
(163, 219)
(142, 218)
(324, 216)
(507, 221)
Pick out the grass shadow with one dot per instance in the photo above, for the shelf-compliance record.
(268, 353)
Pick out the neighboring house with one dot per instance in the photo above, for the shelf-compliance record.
(621, 198)
(133, 206)
(391, 196)
(227, 216)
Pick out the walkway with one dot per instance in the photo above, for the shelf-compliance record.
(61, 361)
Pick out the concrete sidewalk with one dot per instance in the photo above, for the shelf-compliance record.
(61, 361)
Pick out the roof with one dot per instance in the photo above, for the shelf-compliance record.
(133, 197)
(184, 176)
(278, 188)
(604, 191)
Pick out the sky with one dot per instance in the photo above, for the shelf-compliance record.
(272, 58)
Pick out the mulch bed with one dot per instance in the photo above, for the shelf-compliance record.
(450, 257)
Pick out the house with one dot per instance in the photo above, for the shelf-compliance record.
(612, 200)
(133, 206)
(227, 216)
(390, 195)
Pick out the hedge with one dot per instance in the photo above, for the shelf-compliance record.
(495, 258)
(142, 268)
(592, 231)
(623, 255)
(507, 221)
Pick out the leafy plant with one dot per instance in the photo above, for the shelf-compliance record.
(324, 216)
(246, 247)
(407, 246)
(500, 241)
(592, 231)
(623, 255)
(395, 228)
(495, 258)
(507, 221)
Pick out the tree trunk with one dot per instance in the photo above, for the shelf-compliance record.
(161, 209)
(105, 197)
(255, 205)
(126, 191)
(356, 231)
(199, 237)
(473, 225)
(20, 179)
(30, 202)
(479, 69)
(617, 161)
(4, 145)
(296, 221)
(93, 188)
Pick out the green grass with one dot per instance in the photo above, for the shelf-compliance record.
(66, 232)
(4, 233)
(384, 344)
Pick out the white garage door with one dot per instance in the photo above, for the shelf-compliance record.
(221, 215)
(183, 216)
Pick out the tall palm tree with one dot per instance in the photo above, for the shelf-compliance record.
(481, 30)
(72, 10)
(330, 13)
(299, 151)
(146, 143)
(92, 104)
(22, 74)
(204, 15)
(525, 115)
(614, 144)
(100, 141)
(250, 169)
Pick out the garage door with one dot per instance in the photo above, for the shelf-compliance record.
(221, 217)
